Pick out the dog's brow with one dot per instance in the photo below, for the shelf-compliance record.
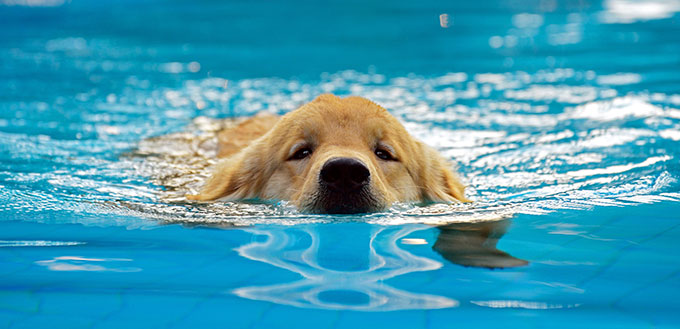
(388, 147)
(297, 146)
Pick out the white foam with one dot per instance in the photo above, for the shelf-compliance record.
(615, 109)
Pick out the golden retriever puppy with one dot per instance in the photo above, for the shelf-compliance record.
(332, 155)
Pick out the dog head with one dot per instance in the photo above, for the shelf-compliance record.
(336, 155)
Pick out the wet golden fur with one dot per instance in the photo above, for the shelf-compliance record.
(258, 163)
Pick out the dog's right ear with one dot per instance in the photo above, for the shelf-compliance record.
(437, 181)
(239, 177)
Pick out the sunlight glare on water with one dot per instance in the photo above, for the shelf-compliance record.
(523, 143)
(516, 154)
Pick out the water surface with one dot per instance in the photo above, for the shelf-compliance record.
(562, 118)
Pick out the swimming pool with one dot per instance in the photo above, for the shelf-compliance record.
(563, 118)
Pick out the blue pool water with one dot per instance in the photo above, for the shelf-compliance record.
(562, 117)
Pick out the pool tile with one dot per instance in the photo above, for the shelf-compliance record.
(222, 310)
(297, 318)
(416, 319)
(72, 304)
(19, 301)
(54, 321)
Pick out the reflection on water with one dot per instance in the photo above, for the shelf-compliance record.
(334, 280)
(77, 263)
(348, 270)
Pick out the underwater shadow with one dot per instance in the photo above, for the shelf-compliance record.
(474, 244)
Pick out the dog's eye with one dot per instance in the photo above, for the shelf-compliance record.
(384, 155)
(301, 154)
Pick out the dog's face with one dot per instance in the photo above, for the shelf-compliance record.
(336, 155)
(342, 156)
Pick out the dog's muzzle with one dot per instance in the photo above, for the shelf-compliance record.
(344, 188)
(344, 175)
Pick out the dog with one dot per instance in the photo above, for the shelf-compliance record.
(332, 155)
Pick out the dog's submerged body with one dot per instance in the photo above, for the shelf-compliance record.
(332, 155)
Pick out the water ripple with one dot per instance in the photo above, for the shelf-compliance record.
(523, 142)
(37, 243)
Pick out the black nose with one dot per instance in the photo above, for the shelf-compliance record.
(344, 174)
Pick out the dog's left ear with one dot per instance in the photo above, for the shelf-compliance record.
(239, 177)
(438, 183)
